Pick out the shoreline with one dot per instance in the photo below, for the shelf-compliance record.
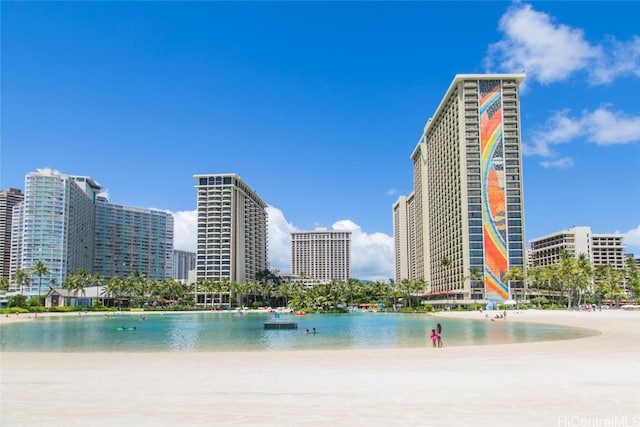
(538, 383)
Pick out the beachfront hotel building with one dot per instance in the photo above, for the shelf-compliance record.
(64, 223)
(599, 248)
(232, 229)
(130, 239)
(54, 224)
(465, 212)
(321, 256)
(8, 199)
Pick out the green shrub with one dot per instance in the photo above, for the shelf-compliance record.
(13, 310)
(17, 301)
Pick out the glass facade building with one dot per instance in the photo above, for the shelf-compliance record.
(65, 224)
(54, 224)
(130, 239)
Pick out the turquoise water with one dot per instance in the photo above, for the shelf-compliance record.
(225, 332)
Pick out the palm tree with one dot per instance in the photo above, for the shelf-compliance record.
(75, 282)
(39, 269)
(584, 278)
(568, 273)
(4, 283)
(253, 288)
(136, 285)
(632, 278)
(514, 274)
(476, 278)
(115, 288)
(21, 278)
(608, 282)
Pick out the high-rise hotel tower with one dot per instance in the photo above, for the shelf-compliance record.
(321, 255)
(232, 229)
(465, 214)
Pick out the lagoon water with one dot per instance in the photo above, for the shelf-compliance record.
(215, 331)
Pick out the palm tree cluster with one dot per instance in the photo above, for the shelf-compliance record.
(295, 295)
(575, 279)
(137, 291)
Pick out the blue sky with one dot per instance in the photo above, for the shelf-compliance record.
(318, 105)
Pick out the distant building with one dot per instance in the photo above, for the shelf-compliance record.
(466, 209)
(321, 255)
(8, 199)
(232, 229)
(404, 239)
(64, 223)
(600, 249)
(130, 239)
(183, 263)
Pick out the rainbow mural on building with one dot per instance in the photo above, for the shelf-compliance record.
(493, 190)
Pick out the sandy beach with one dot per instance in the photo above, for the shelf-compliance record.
(593, 381)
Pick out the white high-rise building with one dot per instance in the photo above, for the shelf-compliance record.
(466, 209)
(232, 229)
(65, 224)
(54, 224)
(321, 255)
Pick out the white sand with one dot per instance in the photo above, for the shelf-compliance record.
(592, 381)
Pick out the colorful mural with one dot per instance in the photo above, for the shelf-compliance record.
(493, 190)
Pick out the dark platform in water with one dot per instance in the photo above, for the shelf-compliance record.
(280, 324)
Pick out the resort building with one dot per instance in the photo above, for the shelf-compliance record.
(600, 249)
(183, 263)
(65, 224)
(54, 224)
(130, 239)
(321, 255)
(232, 229)
(465, 213)
(8, 199)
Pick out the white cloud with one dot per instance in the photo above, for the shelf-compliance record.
(550, 52)
(601, 127)
(632, 240)
(604, 127)
(562, 163)
(185, 230)
(623, 60)
(279, 238)
(371, 254)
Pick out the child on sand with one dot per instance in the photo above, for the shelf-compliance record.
(434, 337)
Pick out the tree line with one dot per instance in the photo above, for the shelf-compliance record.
(571, 278)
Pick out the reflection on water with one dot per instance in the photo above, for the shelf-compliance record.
(224, 332)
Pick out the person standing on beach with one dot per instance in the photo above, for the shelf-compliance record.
(434, 338)
(439, 334)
